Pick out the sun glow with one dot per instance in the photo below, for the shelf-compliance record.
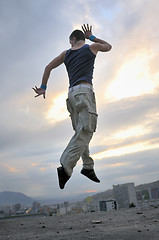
(142, 146)
(10, 168)
(58, 111)
(131, 132)
(90, 191)
(133, 79)
(34, 164)
(116, 164)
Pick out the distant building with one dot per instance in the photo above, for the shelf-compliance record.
(154, 192)
(7, 210)
(148, 203)
(17, 207)
(64, 208)
(148, 191)
(125, 194)
(143, 194)
(36, 207)
(107, 205)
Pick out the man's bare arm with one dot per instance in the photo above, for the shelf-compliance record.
(99, 44)
(53, 64)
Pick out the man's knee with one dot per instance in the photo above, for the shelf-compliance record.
(83, 137)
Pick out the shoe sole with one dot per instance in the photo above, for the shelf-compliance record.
(91, 176)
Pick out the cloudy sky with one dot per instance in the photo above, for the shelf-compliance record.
(34, 131)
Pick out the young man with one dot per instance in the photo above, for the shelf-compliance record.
(79, 62)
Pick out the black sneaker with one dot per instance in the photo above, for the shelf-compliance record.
(63, 177)
(90, 174)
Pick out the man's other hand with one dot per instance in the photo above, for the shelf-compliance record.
(39, 91)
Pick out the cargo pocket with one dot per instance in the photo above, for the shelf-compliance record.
(70, 110)
(88, 120)
(81, 100)
(92, 121)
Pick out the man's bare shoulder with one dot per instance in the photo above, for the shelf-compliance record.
(95, 47)
(102, 47)
(63, 54)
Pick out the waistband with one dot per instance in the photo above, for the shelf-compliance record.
(80, 86)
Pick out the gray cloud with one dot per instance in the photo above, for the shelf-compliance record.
(129, 112)
(139, 165)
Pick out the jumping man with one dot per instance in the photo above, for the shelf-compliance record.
(81, 103)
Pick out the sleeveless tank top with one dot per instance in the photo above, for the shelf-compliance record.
(79, 64)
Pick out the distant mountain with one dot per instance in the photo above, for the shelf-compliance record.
(71, 199)
(9, 198)
(108, 194)
(80, 197)
(148, 186)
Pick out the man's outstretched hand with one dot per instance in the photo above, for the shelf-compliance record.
(39, 91)
(87, 30)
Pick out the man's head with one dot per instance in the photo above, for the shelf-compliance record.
(76, 36)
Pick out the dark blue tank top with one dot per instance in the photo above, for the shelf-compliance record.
(79, 64)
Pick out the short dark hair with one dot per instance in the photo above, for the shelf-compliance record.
(78, 34)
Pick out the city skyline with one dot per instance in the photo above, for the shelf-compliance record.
(146, 193)
(34, 132)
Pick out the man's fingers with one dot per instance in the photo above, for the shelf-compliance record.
(38, 95)
(34, 90)
(84, 27)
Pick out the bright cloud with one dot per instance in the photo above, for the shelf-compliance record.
(125, 150)
(58, 111)
(133, 78)
(114, 165)
(132, 132)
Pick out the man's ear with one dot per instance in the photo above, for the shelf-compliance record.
(74, 39)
